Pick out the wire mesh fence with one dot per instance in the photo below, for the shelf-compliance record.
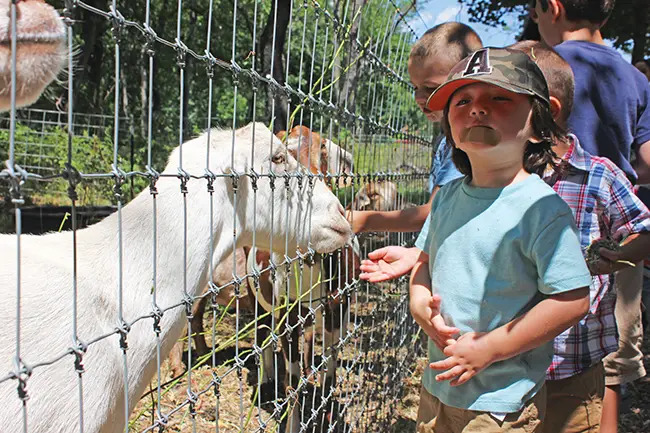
(230, 139)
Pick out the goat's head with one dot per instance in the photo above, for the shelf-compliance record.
(295, 210)
(377, 196)
(40, 50)
(320, 155)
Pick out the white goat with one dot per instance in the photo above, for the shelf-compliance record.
(46, 278)
(316, 154)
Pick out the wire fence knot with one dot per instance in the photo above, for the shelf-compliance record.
(123, 329)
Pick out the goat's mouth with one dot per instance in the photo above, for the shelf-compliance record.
(35, 38)
(34, 47)
(340, 231)
(53, 41)
(331, 238)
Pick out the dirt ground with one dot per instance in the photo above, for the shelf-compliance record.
(373, 362)
(366, 398)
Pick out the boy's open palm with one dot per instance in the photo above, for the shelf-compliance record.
(388, 263)
(467, 356)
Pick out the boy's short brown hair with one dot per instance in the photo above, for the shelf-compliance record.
(451, 41)
(594, 11)
(556, 70)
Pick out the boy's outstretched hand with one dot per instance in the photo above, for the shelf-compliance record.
(467, 356)
(388, 263)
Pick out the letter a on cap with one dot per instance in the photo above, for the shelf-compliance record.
(478, 64)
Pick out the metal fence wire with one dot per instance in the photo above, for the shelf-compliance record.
(227, 247)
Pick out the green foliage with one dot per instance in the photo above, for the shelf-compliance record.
(320, 65)
(45, 153)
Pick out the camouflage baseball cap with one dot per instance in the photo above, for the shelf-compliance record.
(509, 69)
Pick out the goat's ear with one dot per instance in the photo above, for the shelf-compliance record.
(299, 148)
(282, 135)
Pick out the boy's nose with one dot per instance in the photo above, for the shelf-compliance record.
(478, 109)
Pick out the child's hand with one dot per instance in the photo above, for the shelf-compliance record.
(608, 262)
(467, 356)
(388, 263)
(426, 313)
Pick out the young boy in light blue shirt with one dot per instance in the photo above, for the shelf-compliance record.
(502, 252)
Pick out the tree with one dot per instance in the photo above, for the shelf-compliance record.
(628, 27)
(272, 42)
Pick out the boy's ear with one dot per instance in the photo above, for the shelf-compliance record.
(556, 108)
(557, 9)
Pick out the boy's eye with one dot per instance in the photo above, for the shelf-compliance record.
(425, 89)
(501, 98)
(462, 101)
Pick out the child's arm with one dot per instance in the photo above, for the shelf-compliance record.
(642, 164)
(425, 307)
(405, 220)
(475, 351)
(629, 220)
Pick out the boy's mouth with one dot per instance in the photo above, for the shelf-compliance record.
(480, 134)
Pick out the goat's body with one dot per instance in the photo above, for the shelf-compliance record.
(47, 319)
(46, 264)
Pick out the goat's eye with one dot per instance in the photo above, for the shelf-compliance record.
(278, 159)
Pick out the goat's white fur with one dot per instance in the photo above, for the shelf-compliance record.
(46, 282)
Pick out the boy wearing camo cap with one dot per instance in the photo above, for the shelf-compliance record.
(502, 253)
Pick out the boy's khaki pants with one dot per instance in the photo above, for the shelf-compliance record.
(436, 417)
(574, 404)
(626, 364)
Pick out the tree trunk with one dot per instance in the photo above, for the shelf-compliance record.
(275, 100)
(349, 85)
(640, 30)
(89, 68)
(189, 70)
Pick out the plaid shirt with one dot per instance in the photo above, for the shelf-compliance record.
(604, 204)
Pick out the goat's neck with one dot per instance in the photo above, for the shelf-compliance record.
(173, 213)
(183, 241)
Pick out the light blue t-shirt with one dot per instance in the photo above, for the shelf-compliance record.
(443, 169)
(493, 254)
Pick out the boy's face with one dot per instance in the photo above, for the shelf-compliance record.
(542, 14)
(489, 121)
(427, 74)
